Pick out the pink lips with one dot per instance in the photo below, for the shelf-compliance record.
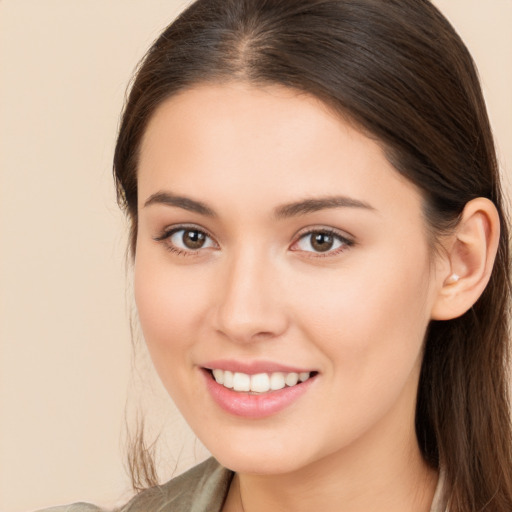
(253, 367)
(248, 405)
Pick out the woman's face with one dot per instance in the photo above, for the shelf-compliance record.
(276, 240)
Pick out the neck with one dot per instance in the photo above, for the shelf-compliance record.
(337, 491)
(368, 476)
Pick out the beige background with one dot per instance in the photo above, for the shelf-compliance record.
(64, 337)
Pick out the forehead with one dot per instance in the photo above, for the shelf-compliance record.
(234, 140)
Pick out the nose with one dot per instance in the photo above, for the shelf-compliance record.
(250, 305)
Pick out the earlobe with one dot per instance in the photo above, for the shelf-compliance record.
(471, 253)
(452, 279)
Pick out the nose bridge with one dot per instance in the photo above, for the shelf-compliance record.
(249, 307)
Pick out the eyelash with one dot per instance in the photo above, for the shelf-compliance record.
(345, 242)
(165, 237)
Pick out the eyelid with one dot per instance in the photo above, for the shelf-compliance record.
(346, 239)
(167, 232)
(321, 228)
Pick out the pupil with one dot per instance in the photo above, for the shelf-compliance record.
(322, 242)
(193, 239)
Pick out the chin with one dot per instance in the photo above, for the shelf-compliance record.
(270, 458)
(257, 465)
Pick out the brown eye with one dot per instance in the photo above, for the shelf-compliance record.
(193, 239)
(322, 242)
(187, 240)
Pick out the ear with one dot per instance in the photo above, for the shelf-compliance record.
(470, 254)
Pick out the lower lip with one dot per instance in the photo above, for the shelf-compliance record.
(254, 406)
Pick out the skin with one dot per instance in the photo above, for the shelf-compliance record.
(257, 290)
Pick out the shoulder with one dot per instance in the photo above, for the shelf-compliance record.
(201, 489)
(75, 507)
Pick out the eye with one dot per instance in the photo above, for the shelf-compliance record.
(186, 240)
(322, 241)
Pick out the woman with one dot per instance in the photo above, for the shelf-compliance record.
(321, 257)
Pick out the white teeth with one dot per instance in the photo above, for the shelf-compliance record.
(291, 379)
(219, 376)
(241, 382)
(303, 376)
(277, 381)
(228, 379)
(260, 382)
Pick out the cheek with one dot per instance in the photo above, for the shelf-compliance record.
(170, 306)
(371, 316)
(370, 326)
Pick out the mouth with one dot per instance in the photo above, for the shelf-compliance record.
(257, 389)
(259, 383)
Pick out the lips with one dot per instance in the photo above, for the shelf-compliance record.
(258, 389)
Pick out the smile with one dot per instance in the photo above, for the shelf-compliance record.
(260, 382)
(257, 394)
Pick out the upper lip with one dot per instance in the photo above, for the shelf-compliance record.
(253, 367)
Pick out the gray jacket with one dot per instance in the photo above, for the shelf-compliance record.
(201, 489)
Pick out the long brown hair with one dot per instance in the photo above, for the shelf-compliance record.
(398, 70)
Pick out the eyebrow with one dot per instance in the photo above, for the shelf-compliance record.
(183, 202)
(323, 203)
(294, 209)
